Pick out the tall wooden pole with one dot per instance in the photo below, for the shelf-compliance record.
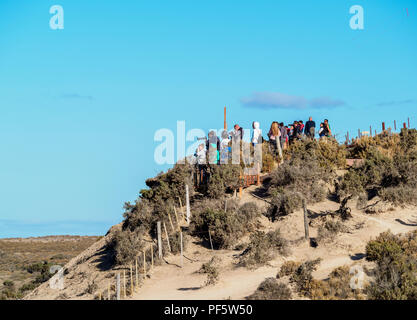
(383, 126)
(225, 123)
(408, 119)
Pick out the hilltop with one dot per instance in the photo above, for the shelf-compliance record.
(259, 250)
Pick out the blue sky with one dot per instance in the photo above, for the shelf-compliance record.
(79, 107)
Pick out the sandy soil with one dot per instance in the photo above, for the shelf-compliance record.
(171, 281)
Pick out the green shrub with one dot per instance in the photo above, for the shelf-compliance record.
(395, 274)
(271, 289)
(223, 178)
(226, 227)
(262, 248)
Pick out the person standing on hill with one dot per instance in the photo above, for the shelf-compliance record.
(284, 135)
(257, 133)
(274, 136)
(310, 128)
(326, 128)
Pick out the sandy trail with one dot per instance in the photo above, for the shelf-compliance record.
(171, 282)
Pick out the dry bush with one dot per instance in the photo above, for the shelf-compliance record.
(262, 248)
(395, 274)
(303, 278)
(227, 227)
(211, 269)
(329, 231)
(290, 184)
(327, 153)
(288, 268)
(126, 245)
(271, 289)
(389, 171)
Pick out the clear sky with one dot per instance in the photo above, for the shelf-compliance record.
(79, 107)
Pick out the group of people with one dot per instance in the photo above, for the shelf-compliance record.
(219, 150)
(296, 131)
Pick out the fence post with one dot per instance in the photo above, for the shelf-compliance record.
(383, 126)
(408, 119)
(136, 273)
(182, 259)
(170, 222)
(124, 283)
(158, 227)
(211, 243)
(405, 125)
(166, 235)
(187, 203)
(131, 280)
(118, 286)
(176, 217)
(306, 232)
(152, 255)
(370, 131)
(144, 264)
(395, 125)
(359, 133)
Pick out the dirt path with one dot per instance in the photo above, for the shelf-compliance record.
(172, 282)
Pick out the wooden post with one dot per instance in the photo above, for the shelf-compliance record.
(158, 227)
(151, 255)
(187, 203)
(118, 286)
(136, 273)
(211, 242)
(359, 133)
(306, 232)
(395, 125)
(176, 217)
(179, 198)
(124, 283)
(383, 126)
(166, 235)
(375, 132)
(370, 131)
(182, 259)
(408, 119)
(109, 292)
(170, 222)
(225, 124)
(131, 280)
(405, 125)
(144, 264)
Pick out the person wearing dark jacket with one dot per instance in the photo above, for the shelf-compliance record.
(310, 128)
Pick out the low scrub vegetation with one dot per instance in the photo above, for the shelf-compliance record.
(226, 226)
(262, 248)
(395, 273)
(271, 289)
(389, 171)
